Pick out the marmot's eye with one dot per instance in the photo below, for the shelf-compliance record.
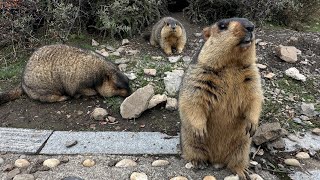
(168, 24)
(222, 26)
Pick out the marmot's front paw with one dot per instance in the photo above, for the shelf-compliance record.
(251, 128)
(200, 133)
(180, 51)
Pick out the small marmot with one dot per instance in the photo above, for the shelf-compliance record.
(221, 97)
(58, 72)
(169, 33)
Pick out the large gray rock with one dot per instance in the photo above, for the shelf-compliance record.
(288, 53)
(308, 141)
(157, 99)
(268, 132)
(173, 81)
(136, 103)
(308, 109)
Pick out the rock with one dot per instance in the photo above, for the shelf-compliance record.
(150, 72)
(99, 114)
(88, 163)
(132, 52)
(186, 59)
(64, 159)
(123, 67)
(21, 163)
(172, 104)
(297, 120)
(72, 178)
(261, 66)
(258, 40)
(287, 53)
(1, 161)
(103, 52)
(24, 177)
(218, 165)
(254, 163)
(308, 109)
(295, 74)
(111, 119)
(270, 75)
(94, 43)
(255, 177)
(308, 141)
(209, 178)
(232, 177)
(131, 76)
(292, 162)
(277, 144)
(157, 99)
(138, 176)
(189, 165)
(156, 57)
(13, 173)
(7, 167)
(302, 155)
(125, 42)
(160, 163)
(304, 118)
(315, 131)
(179, 178)
(174, 59)
(262, 43)
(197, 34)
(172, 81)
(51, 163)
(122, 61)
(116, 53)
(126, 163)
(120, 50)
(71, 143)
(136, 103)
(268, 132)
(110, 48)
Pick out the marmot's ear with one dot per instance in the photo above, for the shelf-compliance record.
(206, 32)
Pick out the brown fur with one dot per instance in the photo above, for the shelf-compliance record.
(169, 33)
(58, 72)
(220, 99)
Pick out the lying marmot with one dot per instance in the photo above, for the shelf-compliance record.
(221, 97)
(168, 33)
(57, 72)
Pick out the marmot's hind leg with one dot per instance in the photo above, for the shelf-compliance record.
(239, 160)
(180, 45)
(52, 98)
(43, 95)
(167, 48)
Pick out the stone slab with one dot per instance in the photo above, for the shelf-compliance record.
(22, 140)
(309, 141)
(111, 143)
(314, 175)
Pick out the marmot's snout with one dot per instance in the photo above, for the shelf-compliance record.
(248, 28)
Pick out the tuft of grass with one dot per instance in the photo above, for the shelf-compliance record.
(113, 103)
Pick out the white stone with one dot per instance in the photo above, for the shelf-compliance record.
(255, 177)
(111, 119)
(1, 161)
(157, 99)
(88, 163)
(197, 34)
(308, 109)
(131, 76)
(254, 163)
(174, 59)
(308, 141)
(172, 81)
(51, 163)
(232, 177)
(126, 163)
(21, 163)
(138, 176)
(160, 162)
(172, 104)
(295, 74)
(262, 43)
(150, 72)
(179, 178)
(292, 162)
(125, 42)
(116, 53)
(302, 155)
(120, 50)
(94, 43)
(261, 66)
(258, 40)
(209, 178)
(156, 57)
(122, 61)
(270, 75)
(315, 131)
(99, 114)
(123, 67)
(103, 52)
(186, 59)
(24, 177)
(189, 165)
(218, 165)
(132, 52)
(288, 53)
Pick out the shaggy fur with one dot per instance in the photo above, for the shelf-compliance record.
(58, 72)
(221, 97)
(168, 33)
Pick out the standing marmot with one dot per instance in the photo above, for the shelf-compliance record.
(168, 33)
(57, 72)
(221, 97)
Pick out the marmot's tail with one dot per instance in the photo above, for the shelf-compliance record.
(11, 95)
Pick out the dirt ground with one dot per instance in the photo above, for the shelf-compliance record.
(74, 115)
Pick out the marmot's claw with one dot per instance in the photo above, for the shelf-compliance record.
(199, 164)
(251, 129)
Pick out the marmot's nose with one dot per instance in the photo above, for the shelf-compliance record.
(249, 27)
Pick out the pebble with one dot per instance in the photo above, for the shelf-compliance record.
(254, 163)
(156, 57)
(64, 159)
(131, 76)
(21, 163)
(172, 104)
(295, 74)
(232, 177)
(13, 173)
(123, 67)
(51, 163)
(1, 161)
(209, 178)
(186, 59)
(71, 178)
(111, 119)
(88, 163)
(94, 43)
(125, 42)
(316, 131)
(292, 162)
(126, 163)
(122, 61)
(103, 52)
(99, 114)
(197, 34)
(302, 155)
(138, 176)
(71, 143)
(160, 162)
(157, 99)
(255, 177)
(174, 59)
(116, 53)
(150, 72)
(269, 75)
(24, 177)
(189, 165)
(132, 52)
(179, 178)
(218, 166)
(261, 66)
